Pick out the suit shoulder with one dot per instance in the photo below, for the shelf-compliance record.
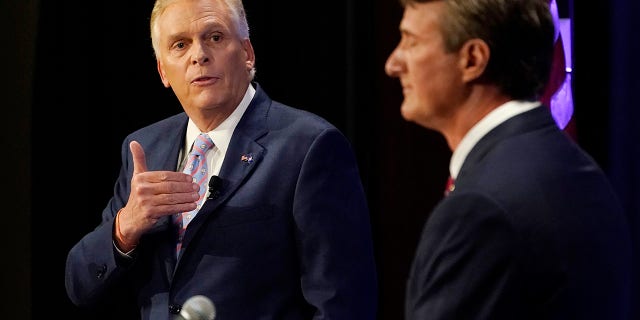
(282, 112)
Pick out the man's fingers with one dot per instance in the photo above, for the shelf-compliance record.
(139, 159)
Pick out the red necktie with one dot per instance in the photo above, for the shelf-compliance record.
(450, 186)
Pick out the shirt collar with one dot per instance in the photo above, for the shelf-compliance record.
(486, 124)
(221, 135)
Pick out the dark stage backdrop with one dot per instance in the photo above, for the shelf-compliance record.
(623, 145)
(82, 76)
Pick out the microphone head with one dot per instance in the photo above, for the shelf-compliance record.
(198, 307)
(215, 182)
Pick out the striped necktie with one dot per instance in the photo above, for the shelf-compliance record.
(196, 167)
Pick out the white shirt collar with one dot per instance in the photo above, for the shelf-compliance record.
(486, 124)
(221, 135)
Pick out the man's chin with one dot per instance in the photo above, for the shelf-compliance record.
(418, 115)
(408, 111)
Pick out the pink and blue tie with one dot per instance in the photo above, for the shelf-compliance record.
(196, 167)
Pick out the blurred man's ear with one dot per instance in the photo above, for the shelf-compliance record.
(474, 58)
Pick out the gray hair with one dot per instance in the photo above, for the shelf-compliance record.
(238, 16)
(519, 33)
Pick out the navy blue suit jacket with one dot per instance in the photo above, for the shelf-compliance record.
(532, 230)
(289, 236)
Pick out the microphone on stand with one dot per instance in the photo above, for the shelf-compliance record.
(197, 307)
(215, 183)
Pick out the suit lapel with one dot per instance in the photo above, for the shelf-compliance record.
(534, 119)
(242, 157)
(162, 154)
(165, 157)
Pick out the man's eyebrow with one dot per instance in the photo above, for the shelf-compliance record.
(171, 38)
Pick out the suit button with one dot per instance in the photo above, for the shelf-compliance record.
(100, 272)
(175, 308)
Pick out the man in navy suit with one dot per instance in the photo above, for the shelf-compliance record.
(531, 228)
(284, 235)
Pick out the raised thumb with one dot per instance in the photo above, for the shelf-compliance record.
(139, 159)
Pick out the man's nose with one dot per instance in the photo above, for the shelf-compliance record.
(393, 66)
(200, 54)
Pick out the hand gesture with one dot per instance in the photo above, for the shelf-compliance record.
(154, 194)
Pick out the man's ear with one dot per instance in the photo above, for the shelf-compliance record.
(163, 77)
(251, 57)
(474, 58)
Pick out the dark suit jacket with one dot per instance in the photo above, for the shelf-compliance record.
(532, 231)
(289, 237)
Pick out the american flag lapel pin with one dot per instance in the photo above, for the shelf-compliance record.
(247, 158)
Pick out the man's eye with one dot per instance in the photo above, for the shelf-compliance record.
(216, 37)
(179, 45)
(408, 42)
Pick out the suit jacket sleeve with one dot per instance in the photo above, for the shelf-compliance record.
(464, 263)
(93, 267)
(334, 232)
